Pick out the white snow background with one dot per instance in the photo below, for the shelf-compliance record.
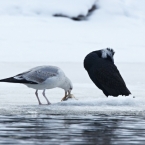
(30, 36)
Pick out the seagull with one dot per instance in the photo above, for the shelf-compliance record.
(104, 73)
(42, 78)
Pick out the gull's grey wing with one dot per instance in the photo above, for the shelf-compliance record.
(38, 75)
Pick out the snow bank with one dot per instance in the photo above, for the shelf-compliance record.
(129, 8)
(71, 8)
(28, 29)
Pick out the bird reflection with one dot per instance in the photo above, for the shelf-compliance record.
(93, 131)
(59, 129)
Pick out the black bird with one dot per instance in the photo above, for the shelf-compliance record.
(103, 72)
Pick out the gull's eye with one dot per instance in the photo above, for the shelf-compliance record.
(70, 88)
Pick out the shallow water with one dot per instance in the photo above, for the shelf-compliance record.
(92, 119)
(70, 129)
(74, 122)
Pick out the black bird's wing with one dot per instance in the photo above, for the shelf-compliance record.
(107, 78)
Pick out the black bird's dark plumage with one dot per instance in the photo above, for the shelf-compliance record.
(103, 72)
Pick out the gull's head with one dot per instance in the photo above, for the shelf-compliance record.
(67, 85)
(108, 54)
(70, 86)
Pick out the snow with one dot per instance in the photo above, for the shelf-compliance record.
(71, 8)
(24, 32)
(30, 36)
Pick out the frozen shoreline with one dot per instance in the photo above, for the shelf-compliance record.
(18, 99)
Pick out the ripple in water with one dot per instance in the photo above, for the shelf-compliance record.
(71, 129)
(93, 121)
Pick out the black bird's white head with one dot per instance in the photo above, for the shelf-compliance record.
(108, 54)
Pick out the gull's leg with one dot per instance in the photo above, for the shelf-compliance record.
(64, 98)
(46, 97)
(69, 94)
(36, 93)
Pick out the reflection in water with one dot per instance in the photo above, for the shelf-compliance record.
(70, 129)
(100, 131)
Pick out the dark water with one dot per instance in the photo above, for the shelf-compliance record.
(72, 129)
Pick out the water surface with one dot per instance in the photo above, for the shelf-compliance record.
(72, 129)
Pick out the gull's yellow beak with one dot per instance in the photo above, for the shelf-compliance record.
(69, 96)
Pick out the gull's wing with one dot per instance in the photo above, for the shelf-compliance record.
(38, 75)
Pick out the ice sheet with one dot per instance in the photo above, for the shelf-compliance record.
(17, 99)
